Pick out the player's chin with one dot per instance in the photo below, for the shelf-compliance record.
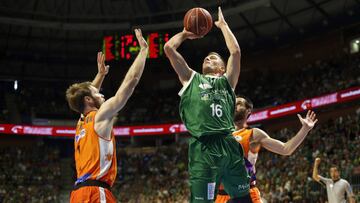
(101, 102)
(208, 69)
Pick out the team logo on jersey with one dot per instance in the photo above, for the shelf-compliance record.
(205, 86)
(80, 135)
(108, 157)
(204, 96)
(238, 138)
(243, 187)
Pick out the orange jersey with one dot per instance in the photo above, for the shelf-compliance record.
(92, 194)
(243, 137)
(254, 195)
(95, 157)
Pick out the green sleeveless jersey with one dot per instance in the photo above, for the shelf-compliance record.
(207, 105)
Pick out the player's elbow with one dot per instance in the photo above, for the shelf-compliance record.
(289, 152)
(128, 86)
(316, 178)
(168, 48)
(132, 81)
(236, 51)
(286, 151)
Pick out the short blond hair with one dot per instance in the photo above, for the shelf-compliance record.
(75, 95)
(217, 54)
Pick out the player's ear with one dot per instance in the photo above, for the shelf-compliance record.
(87, 99)
(222, 69)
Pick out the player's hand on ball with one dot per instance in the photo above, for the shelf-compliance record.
(190, 35)
(102, 68)
(221, 20)
(142, 42)
(309, 121)
(317, 161)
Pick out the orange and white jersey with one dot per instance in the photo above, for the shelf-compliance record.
(243, 136)
(95, 156)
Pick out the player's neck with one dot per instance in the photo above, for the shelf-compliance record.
(335, 180)
(240, 125)
(214, 74)
(88, 110)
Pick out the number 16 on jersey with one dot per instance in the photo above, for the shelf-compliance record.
(216, 110)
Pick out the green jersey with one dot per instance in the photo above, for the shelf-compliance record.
(207, 105)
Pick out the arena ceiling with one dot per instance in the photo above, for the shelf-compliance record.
(75, 28)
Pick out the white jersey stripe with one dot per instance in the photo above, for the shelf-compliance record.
(106, 149)
(102, 195)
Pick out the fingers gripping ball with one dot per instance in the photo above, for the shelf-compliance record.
(198, 21)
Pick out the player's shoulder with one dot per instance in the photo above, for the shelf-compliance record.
(344, 181)
(257, 132)
(326, 180)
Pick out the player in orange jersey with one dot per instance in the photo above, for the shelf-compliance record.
(95, 151)
(252, 139)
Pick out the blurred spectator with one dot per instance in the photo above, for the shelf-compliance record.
(29, 174)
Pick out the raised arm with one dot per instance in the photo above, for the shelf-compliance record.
(315, 174)
(290, 146)
(233, 64)
(176, 59)
(102, 71)
(113, 105)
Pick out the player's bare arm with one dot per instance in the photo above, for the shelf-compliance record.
(113, 105)
(351, 198)
(176, 59)
(233, 64)
(102, 71)
(290, 146)
(315, 174)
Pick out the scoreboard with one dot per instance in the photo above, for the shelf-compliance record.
(125, 47)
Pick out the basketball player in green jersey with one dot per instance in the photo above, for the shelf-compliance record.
(207, 110)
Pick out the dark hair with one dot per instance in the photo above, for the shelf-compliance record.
(75, 95)
(247, 103)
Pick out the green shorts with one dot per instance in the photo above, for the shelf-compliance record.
(213, 159)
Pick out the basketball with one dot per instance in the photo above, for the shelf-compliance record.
(198, 21)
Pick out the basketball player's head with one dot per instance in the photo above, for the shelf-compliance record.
(243, 109)
(83, 96)
(334, 173)
(214, 64)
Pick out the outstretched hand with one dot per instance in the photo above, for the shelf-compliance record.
(190, 35)
(309, 121)
(221, 20)
(142, 42)
(102, 68)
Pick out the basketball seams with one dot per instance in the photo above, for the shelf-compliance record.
(197, 20)
(194, 21)
(187, 25)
